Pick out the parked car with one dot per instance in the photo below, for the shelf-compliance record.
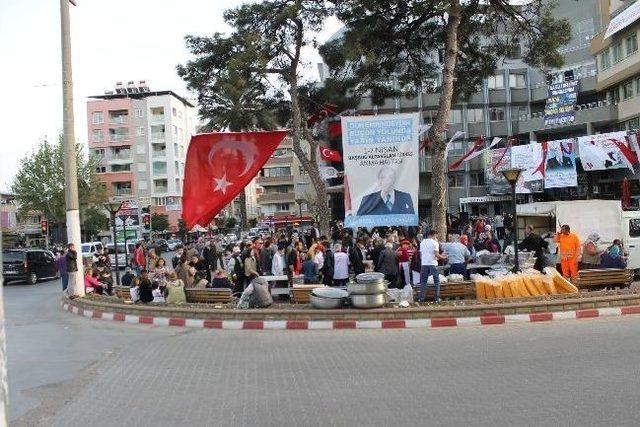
(122, 256)
(89, 249)
(173, 244)
(162, 245)
(28, 265)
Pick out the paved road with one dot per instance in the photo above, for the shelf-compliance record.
(69, 371)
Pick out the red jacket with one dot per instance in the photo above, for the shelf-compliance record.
(139, 258)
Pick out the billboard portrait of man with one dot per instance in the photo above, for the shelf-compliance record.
(388, 200)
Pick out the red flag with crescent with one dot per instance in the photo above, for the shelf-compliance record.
(330, 155)
(477, 145)
(219, 166)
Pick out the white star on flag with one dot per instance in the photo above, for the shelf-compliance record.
(222, 184)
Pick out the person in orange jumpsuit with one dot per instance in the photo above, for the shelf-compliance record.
(568, 252)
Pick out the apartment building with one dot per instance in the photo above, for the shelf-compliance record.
(283, 185)
(141, 138)
(511, 104)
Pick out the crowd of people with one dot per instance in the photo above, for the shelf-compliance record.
(405, 255)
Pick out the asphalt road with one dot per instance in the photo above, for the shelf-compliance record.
(65, 370)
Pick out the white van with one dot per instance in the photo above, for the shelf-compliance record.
(122, 256)
(89, 249)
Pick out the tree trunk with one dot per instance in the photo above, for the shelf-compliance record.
(437, 132)
(243, 208)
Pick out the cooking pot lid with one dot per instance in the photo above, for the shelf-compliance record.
(369, 277)
(330, 293)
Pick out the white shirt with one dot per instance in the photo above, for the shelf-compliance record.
(278, 264)
(341, 265)
(319, 259)
(391, 195)
(428, 250)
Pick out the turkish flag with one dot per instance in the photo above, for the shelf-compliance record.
(334, 129)
(219, 166)
(330, 155)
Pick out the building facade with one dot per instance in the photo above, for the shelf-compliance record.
(511, 105)
(141, 139)
(283, 186)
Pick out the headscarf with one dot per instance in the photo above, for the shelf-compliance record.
(594, 237)
(614, 250)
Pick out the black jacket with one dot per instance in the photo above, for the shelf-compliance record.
(72, 263)
(356, 258)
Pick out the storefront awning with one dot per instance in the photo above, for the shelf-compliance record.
(483, 199)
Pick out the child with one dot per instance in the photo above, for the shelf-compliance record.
(158, 295)
(135, 290)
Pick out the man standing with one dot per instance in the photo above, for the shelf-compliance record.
(72, 265)
(537, 244)
(430, 254)
(568, 252)
(61, 266)
(388, 265)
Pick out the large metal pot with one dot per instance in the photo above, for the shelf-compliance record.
(324, 303)
(378, 287)
(368, 301)
(371, 277)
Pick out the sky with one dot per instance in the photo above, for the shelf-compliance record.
(112, 40)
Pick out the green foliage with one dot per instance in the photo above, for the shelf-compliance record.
(401, 40)
(40, 186)
(94, 220)
(253, 222)
(159, 222)
(231, 222)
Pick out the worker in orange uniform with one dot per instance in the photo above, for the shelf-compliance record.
(568, 252)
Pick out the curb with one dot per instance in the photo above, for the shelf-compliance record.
(436, 322)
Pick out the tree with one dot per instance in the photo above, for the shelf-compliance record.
(231, 223)
(93, 221)
(262, 56)
(159, 222)
(39, 184)
(392, 48)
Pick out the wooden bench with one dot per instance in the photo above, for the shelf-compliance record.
(452, 290)
(122, 292)
(604, 278)
(209, 295)
(300, 294)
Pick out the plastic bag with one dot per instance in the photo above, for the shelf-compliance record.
(243, 302)
(393, 295)
(406, 294)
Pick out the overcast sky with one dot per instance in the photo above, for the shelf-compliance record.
(113, 40)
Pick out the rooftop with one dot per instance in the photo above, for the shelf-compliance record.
(141, 95)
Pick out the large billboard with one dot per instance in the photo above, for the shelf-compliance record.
(561, 103)
(495, 162)
(603, 151)
(381, 170)
(560, 164)
(528, 158)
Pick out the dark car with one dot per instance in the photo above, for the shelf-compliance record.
(28, 265)
(162, 245)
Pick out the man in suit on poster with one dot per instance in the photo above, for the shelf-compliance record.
(388, 200)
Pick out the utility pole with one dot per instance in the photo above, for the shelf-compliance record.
(76, 285)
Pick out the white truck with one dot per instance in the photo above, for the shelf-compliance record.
(605, 217)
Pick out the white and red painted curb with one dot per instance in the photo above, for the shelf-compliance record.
(438, 322)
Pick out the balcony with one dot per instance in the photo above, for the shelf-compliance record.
(279, 161)
(156, 118)
(594, 112)
(267, 198)
(159, 154)
(157, 137)
(122, 191)
(121, 158)
(118, 137)
(160, 190)
(119, 120)
(266, 181)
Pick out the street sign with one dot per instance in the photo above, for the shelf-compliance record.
(144, 201)
(327, 172)
(128, 220)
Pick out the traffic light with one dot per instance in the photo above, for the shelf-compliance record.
(146, 220)
(43, 226)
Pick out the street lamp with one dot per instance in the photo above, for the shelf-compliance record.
(512, 175)
(113, 208)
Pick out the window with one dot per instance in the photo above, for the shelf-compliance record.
(456, 180)
(475, 115)
(518, 111)
(517, 80)
(616, 50)
(173, 111)
(302, 170)
(634, 227)
(496, 114)
(140, 131)
(118, 134)
(175, 130)
(631, 44)
(515, 51)
(98, 117)
(139, 112)
(627, 90)
(455, 116)
(282, 207)
(99, 152)
(159, 168)
(495, 82)
(279, 171)
(180, 114)
(97, 135)
(176, 166)
(101, 169)
(121, 168)
(278, 189)
(605, 59)
(477, 179)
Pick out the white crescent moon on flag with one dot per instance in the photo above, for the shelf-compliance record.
(248, 151)
(325, 152)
